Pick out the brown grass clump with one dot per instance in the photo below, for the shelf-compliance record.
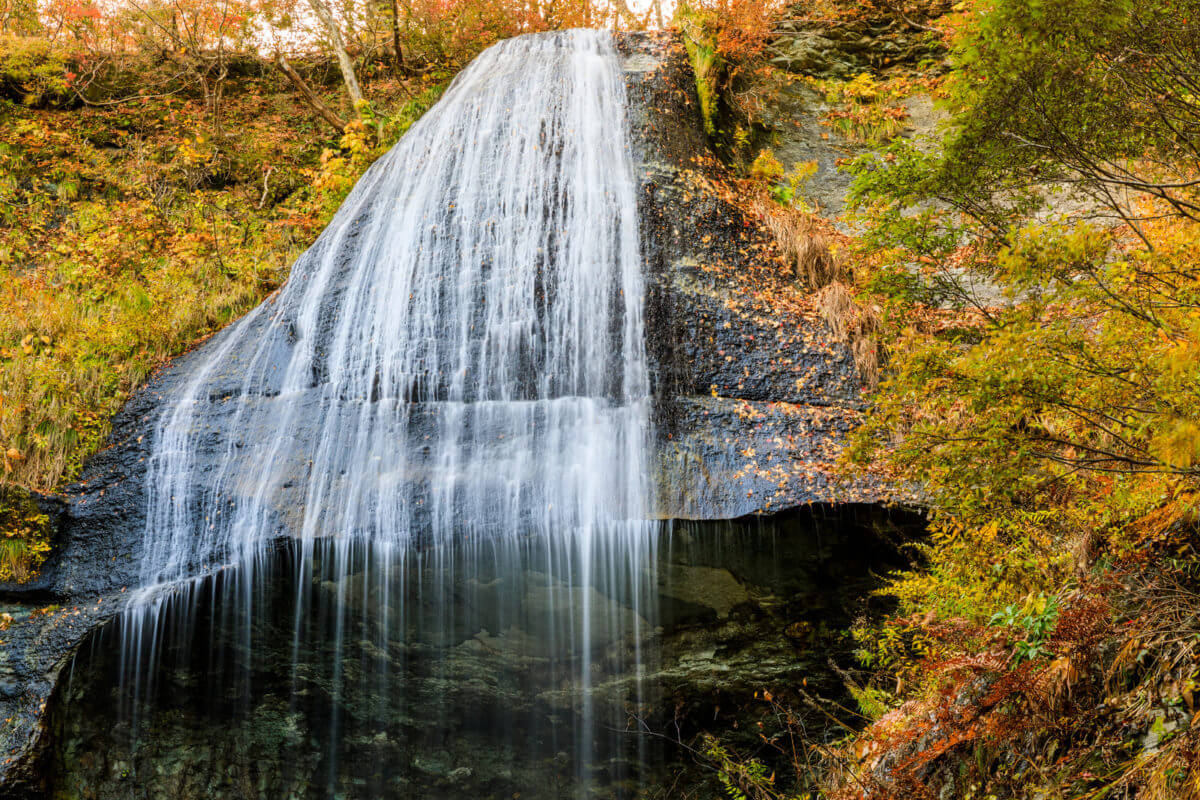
(837, 307)
(854, 324)
(805, 243)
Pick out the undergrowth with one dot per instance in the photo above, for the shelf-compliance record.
(867, 110)
(1034, 282)
(25, 534)
(130, 230)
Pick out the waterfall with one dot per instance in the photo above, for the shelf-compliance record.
(443, 415)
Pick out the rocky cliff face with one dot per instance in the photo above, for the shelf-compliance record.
(754, 395)
(844, 49)
(738, 607)
(753, 401)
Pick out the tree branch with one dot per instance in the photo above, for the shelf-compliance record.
(325, 112)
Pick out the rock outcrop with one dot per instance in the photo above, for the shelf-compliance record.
(755, 396)
(844, 49)
(753, 402)
(483, 712)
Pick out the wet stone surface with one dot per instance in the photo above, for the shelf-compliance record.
(754, 396)
(416, 705)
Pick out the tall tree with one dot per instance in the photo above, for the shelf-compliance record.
(313, 99)
(397, 49)
(333, 33)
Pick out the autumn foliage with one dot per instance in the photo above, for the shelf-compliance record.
(455, 30)
(160, 170)
(1033, 265)
(739, 29)
(1039, 281)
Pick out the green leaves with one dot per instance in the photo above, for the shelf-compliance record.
(1041, 257)
(1177, 443)
(1043, 346)
(1035, 619)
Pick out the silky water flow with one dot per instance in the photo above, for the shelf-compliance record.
(435, 436)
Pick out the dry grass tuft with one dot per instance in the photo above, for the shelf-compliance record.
(806, 244)
(837, 307)
(854, 324)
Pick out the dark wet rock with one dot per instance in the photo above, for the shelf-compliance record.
(844, 49)
(753, 403)
(754, 396)
(744, 457)
(99, 523)
(712, 587)
(482, 719)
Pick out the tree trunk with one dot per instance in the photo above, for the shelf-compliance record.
(625, 13)
(313, 100)
(398, 63)
(218, 93)
(339, 50)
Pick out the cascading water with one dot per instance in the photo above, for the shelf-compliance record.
(462, 350)
(444, 415)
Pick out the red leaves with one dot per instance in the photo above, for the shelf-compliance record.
(743, 27)
(80, 11)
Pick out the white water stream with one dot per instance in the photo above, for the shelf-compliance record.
(457, 364)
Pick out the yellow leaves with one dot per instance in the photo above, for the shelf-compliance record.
(1058, 679)
(862, 88)
(171, 238)
(1040, 253)
(193, 153)
(24, 535)
(1182, 357)
(1179, 444)
(766, 167)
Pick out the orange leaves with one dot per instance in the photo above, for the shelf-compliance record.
(80, 11)
(456, 30)
(741, 27)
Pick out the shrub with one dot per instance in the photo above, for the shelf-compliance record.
(720, 34)
(25, 534)
(32, 71)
